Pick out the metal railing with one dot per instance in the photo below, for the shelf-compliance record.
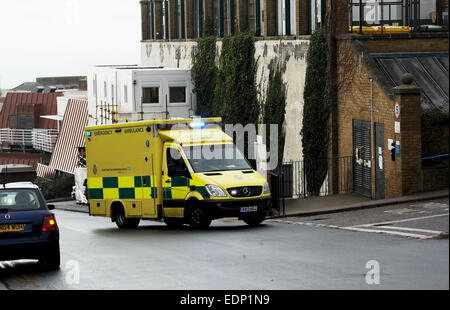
(397, 16)
(37, 139)
(300, 179)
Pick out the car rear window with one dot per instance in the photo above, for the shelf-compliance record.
(20, 200)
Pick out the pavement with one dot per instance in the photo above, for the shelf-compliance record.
(349, 202)
(303, 207)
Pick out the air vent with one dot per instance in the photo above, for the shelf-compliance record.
(213, 174)
(248, 172)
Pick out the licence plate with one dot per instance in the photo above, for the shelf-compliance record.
(249, 209)
(12, 228)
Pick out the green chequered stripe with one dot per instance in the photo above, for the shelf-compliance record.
(202, 190)
(180, 182)
(95, 193)
(167, 193)
(110, 182)
(123, 192)
(126, 193)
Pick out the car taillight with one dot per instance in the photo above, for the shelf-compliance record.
(49, 223)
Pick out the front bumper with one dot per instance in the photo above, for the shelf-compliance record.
(232, 208)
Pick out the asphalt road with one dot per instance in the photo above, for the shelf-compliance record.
(230, 255)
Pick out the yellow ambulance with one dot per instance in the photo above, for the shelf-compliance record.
(184, 171)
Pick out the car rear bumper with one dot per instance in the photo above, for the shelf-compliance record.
(27, 250)
(232, 208)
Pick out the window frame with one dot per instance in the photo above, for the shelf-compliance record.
(178, 84)
(151, 84)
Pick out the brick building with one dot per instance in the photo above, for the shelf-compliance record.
(375, 106)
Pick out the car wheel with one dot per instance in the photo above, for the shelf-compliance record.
(255, 220)
(174, 222)
(122, 222)
(198, 218)
(52, 259)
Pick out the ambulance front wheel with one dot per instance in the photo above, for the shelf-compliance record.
(121, 221)
(255, 220)
(198, 218)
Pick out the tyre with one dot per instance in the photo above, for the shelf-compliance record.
(255, 220)
(122, 222)
(52, 259)
(174, 222)
(197, 217)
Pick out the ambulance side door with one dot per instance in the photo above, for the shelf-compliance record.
(176, 181)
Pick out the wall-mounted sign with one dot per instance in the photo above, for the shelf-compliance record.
(397, 127)
(397, 110)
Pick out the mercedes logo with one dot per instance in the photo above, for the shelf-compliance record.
(246, 191)
(7, 216)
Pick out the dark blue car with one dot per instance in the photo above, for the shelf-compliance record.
(28, 230)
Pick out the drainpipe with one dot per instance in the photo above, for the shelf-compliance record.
(372, 125)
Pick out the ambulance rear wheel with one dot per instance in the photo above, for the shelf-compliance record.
(122, 222)
(198, 218)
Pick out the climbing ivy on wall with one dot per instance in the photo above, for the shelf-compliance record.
(274, 108)
(316, 113)
(236, 93)
(204, 75)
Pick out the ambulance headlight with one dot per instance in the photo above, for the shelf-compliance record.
(266, 188)
(215, 191)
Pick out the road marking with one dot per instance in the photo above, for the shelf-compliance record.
(403, 234)
(21, 283)
(381, 227)
(31, 281)
(401, 221)
(412, 229)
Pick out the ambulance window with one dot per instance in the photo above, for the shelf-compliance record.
(174, 158)
(150, 95)
(177, 94)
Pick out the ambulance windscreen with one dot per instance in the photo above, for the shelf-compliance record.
(215, 157)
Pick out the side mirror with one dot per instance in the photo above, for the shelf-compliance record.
(51, 207)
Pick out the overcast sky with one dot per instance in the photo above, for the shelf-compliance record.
(63, 37)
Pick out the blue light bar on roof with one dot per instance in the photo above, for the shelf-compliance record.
(89, 133)
(197, 124)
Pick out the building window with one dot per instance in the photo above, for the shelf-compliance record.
(151, 21)
(112, 94)
(218, 17)
(259, 18)
(150, 95)
(180, 19)
(286, 20)
(13, 121)
(177, 94)
(197, 15)
(25, 121)
(165, 19)
(230, 17)
(94, 86)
